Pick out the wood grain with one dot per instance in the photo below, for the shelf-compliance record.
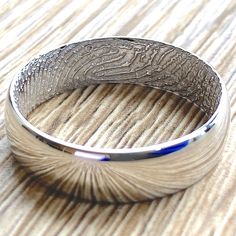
(204, 27)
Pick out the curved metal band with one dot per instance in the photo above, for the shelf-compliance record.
(153, 169)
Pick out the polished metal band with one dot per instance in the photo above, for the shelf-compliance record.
(130, 174)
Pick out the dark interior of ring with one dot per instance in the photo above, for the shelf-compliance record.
(117, 60)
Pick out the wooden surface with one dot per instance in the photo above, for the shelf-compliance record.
(206, 28)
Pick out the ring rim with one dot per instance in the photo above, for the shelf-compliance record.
(109, 152)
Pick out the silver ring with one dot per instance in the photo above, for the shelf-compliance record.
(118, 175)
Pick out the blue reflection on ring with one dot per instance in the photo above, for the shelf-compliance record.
(168, 150)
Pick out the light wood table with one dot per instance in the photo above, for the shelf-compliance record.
(207, 28)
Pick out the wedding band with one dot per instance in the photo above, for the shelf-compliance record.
(118, 175)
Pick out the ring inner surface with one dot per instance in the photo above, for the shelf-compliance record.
(117, 60)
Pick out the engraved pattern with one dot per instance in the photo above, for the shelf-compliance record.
(118, 60)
